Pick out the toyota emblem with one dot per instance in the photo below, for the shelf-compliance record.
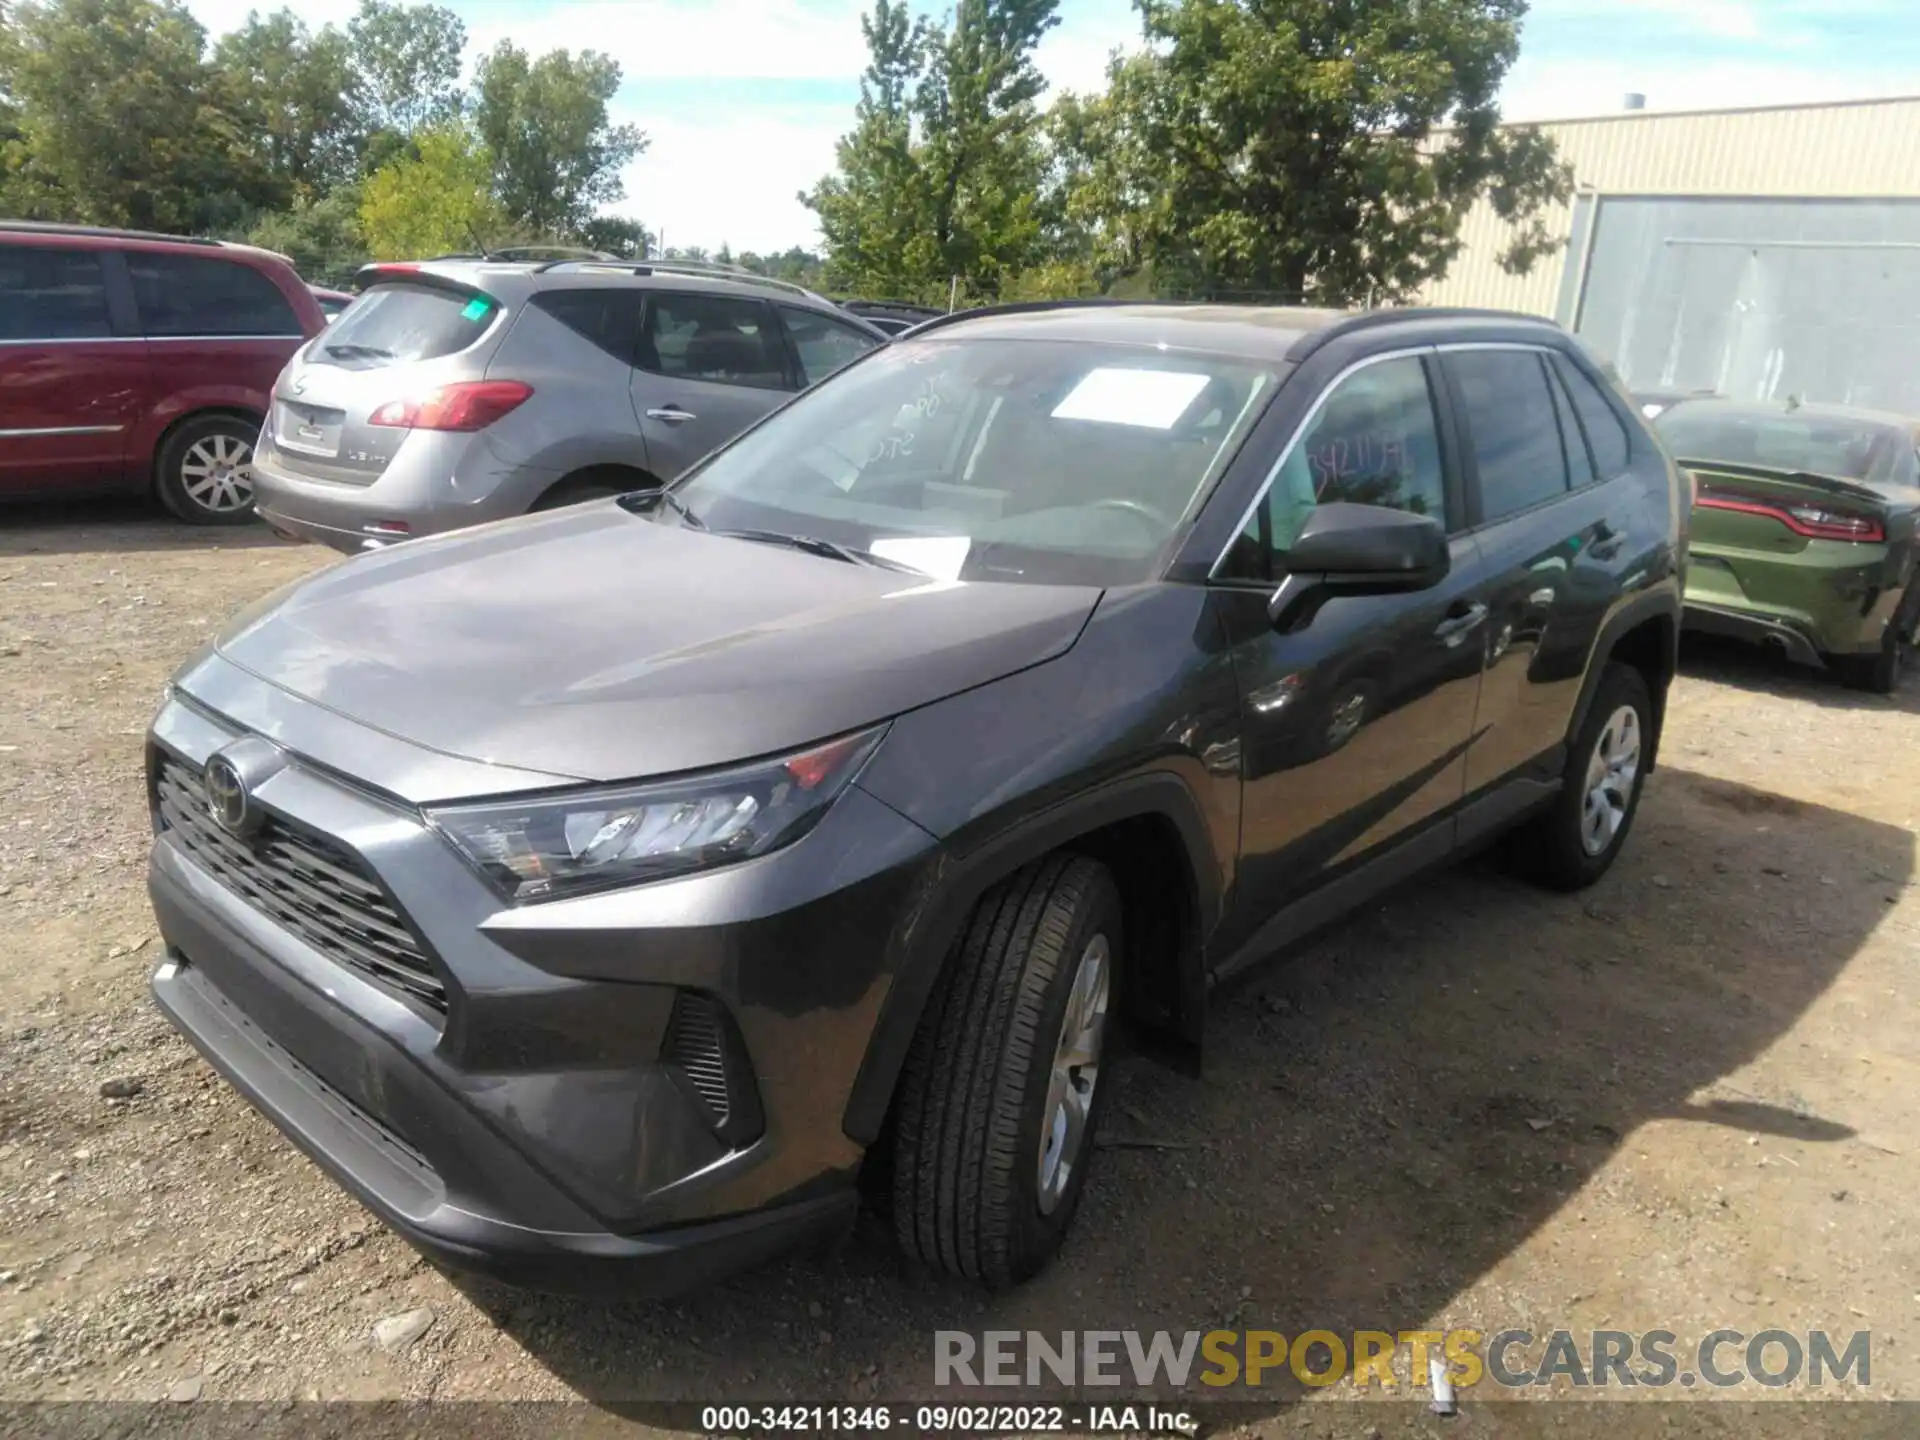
(227, 798)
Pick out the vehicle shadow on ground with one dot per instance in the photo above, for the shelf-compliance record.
(117, 526)
(1754, 668)
(1382, 1120)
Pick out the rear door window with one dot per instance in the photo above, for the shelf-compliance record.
(398, 323)
(823, 344)
(1606, 432)
(607, 318)
(716, 338)
(1510, 418)
(52, 294)
(182, 295)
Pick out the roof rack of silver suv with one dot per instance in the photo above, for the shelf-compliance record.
(709, 269)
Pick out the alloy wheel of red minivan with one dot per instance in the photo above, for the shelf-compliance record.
(205, 471)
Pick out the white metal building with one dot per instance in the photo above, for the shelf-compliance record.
(1757, 252)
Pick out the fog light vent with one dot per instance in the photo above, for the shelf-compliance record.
(697, 1043)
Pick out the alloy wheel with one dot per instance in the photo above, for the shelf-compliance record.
(217, 473)
(1075, 1073)
(1611, 772)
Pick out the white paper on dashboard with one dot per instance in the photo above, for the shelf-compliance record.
(1152, 399)
(940, 556)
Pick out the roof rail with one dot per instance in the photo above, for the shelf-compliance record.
(103, 232)
(701, 268)
(1025, 307)
(1371, 319)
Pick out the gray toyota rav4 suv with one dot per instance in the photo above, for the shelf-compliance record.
(602, 895)
(458, 391)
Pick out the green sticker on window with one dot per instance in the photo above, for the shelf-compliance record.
(477, 308)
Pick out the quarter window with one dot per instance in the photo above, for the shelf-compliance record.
(1373, 441)
(715, 338)
(823, 344)
(181, 295)
(608, 318)
(1510, 420)
(48, 294)
(1605, 432)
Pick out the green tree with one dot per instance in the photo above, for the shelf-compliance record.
(407, 58)
(1302, 149)
(616, 235)
(117, 120)
(433, 202)
(297, 96)
(941, 174)
(557, 156)
(323, 237)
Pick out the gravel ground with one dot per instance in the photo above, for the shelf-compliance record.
(1684, 1100)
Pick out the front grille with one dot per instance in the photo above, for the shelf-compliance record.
(311, 886)
(696, 1042)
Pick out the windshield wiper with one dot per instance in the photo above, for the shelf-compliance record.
(826, 549)
(684, 510)
(359, 352)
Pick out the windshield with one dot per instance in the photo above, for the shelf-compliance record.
(1041, 461)
(1779, 440)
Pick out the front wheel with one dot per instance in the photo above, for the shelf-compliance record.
(204, 473)
(1572, 843)
(1008, 1075)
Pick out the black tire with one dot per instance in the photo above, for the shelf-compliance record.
(973, 1101)
(1879, 673)
(1553, 849)
(578, 491)
(192, 475)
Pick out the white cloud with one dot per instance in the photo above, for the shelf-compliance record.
(1566, 89)
(681, 38)
(733, 180)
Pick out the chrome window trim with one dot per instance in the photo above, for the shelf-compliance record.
(1306, 420)
(146, 339)
(61, 430)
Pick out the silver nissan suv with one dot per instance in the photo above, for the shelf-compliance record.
(459, 391)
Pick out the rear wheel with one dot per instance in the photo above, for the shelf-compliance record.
(1880, 672)
(579, 490)
(1571, 844)
(1005, 1084)
(204, 473)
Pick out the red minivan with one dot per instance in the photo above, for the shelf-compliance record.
(136, 362)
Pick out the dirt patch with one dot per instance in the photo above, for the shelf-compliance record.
(1689, 1098)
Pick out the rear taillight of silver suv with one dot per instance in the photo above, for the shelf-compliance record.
(466, 407)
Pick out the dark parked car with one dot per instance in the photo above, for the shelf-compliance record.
(596, 894)
(1804, 530)
(137, 362)
(331, 302)
(895, 317)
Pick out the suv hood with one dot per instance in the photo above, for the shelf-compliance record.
(597, 645)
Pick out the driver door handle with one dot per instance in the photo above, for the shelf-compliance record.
(672, 415)
(1460, 620)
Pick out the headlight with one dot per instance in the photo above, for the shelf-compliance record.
(548, 846)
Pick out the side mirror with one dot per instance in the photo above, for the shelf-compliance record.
(1346, 549)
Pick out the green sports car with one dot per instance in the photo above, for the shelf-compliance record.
(1803, 530)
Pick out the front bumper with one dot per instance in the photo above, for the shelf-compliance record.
(396, 1182)
(540, 1128)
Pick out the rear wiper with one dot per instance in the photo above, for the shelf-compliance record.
(358, 352)
(827, 549)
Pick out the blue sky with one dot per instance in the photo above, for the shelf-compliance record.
(743, 99)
